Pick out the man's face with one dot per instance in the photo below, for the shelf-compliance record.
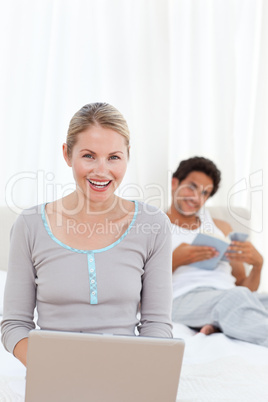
(189, 195)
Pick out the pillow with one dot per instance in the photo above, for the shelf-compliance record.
(3, 276)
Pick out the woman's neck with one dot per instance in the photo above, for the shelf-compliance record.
(77, 205)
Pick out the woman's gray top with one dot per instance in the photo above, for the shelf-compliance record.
(89, 290)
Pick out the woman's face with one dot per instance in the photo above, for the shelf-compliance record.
(99, 162)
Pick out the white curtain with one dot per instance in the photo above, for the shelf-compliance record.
(190, 76)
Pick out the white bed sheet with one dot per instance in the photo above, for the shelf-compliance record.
(215, 368)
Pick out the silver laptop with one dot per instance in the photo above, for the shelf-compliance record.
(78, 367)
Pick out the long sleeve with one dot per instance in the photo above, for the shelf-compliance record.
(156, 298)
(47, 274)
(20, 290)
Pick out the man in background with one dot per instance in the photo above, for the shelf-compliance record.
(223, 299)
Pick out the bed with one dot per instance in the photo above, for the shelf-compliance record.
(218, 368)
(215, 368)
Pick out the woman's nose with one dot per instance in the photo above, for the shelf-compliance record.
(100, 167)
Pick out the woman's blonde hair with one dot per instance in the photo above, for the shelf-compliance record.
(94, 114)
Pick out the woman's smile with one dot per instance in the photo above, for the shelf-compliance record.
(99, 185)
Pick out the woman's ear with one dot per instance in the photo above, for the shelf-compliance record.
(65, 155)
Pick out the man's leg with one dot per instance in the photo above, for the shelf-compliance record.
(243, 316)
(263, 298)
(237, 312)
(194, 308)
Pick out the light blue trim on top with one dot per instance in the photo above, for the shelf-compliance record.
(124, 234)
(90, 253)
(100, 250)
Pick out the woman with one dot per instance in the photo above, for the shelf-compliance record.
(89, 260)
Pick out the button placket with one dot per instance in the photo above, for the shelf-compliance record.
(92, 278)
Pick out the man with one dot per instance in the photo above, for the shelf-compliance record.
(223, 299)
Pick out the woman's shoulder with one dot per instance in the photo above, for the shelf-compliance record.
(30, 214)
(33, 211)
(152, 213)
(28, 223)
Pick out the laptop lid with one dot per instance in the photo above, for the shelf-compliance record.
(68, 367)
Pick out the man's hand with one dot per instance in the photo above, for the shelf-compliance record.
(244, 252)
(187, 254)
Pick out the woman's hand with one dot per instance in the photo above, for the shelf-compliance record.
(20, 350)
(244, 252)
(186, 254)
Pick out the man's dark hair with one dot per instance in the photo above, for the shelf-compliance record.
(199, 164)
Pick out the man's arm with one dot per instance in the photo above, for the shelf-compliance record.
(186, 254)
(245, 253)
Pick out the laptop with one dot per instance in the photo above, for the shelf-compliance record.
(70, 367)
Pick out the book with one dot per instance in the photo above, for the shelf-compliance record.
(219, 243)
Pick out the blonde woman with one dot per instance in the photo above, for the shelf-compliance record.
(90, 260)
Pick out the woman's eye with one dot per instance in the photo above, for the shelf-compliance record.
(114, 157)
(88, 156)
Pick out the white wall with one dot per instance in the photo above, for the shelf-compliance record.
(190, 76)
